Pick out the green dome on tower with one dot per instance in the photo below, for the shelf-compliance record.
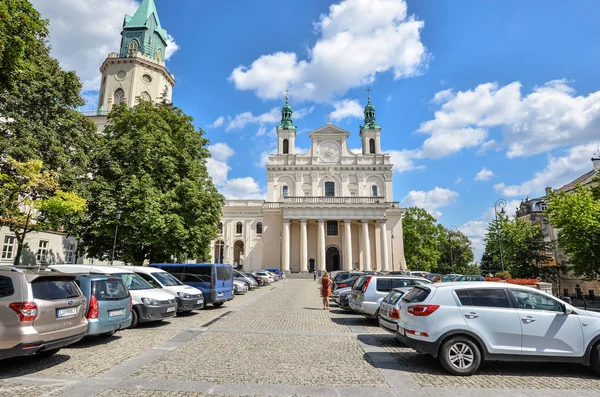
(286, 117)
(369, 113)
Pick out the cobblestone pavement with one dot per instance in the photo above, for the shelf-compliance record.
(275, 341)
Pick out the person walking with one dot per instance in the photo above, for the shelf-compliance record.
(325, 290)
(315, 275)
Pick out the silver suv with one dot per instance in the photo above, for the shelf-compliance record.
(40, 312)
(465, 323)
(369, 290)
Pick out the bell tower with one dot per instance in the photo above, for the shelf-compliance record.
(370, 132)
(286, 131)
(138, 69)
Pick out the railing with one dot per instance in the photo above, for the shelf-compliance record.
(271, 205)
(334, 200)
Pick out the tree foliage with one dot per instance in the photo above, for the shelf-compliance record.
(151, 165)
(456, 254)
(32, 200)
(523, 248)
(577, 215)
(421, 239)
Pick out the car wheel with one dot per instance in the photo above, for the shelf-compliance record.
(107, 334)
(218, 304)
(460, 356)
(134, 318)
(47, 353)
(595, 359)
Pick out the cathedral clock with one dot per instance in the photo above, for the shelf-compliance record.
(329, 152)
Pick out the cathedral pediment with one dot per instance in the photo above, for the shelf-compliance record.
(329, 129)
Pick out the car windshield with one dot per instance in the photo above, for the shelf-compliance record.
(134, 282)
(166, 279)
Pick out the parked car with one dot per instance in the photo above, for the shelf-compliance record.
(368, 291)
(469, 278)
(346, 283)
(274, 275)
(109, 304)
(463, 324)
(389, 310)
(149, 304)
(278, 272)
(335, 295)
(446, 278)
(262, 273)
(261, 280)
(342, 277)
(40, 312)
(344, 300)
(433, 276)
(240, 288)
(215, 280)
(251, 283)
(188, 298)
(417, 273)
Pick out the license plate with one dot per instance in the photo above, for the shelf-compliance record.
(114, 313)
(170, 309)
(199, 301)
(219, 294)
(70, 311)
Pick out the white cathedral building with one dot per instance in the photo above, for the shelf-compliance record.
(326, 209)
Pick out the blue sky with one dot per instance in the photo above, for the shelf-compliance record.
(478, 100)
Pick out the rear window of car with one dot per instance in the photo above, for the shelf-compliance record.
(393, 297)
(384, 284)
(6, 286)
(488, 297)
(359, 283)
(109, 290)
(223, 273)
(415, 295)
(54, 289)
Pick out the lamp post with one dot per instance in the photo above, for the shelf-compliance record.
(451, 231)
(280, 253)
(392, 250)
(499, 203)
(118, 218)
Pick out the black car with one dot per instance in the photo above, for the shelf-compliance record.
(341, 278)
(345, 283)
(259, 279)
(345, 300)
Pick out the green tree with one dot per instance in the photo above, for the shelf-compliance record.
(577, 215)
(32, 200)
(38, 100)
(523, 248)
(422, 237)
(151, 165)
(456, 252)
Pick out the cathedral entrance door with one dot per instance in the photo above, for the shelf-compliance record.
(332, 259)
(238, 253)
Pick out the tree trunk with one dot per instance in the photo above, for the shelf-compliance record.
(18, 253)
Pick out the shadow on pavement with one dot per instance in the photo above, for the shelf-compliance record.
(21, 366)
(94, 340)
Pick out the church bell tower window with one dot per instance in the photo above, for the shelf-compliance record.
(372, 146)
(286, 146)
(133, 48)
(119, 96)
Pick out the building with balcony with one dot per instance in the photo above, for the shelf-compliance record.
(326, 209)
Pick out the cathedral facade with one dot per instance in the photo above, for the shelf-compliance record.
(326, 209)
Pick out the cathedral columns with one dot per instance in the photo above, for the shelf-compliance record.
(321, 245)
(384, 246)
(285, 265)
(366, 245)
(347, 245)
(303, 247)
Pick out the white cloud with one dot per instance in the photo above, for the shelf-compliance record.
(389, 98)
(172, 47)
(217, 170)
(484, 175)
(402, 160)
(549, 117)
(458, 180)
(431, 200)
(475, 231)
(83, 32)
(221, 151)
(218, 122)
(356, 151)
(345, 109)
(264, 158)
(357, 39)
(242, 188)
(559, 171)
(241, 120)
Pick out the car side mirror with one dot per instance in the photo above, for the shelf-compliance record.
(568, 309)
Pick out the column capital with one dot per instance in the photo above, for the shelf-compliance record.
(347, 220)
(303, 220)
(365, 220)
(321, 220)
(287, 220)
(381, 221)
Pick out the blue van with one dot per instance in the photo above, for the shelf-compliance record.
(215, 280)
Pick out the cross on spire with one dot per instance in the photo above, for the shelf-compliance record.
(287, 91)
(329, 118)
(369, 93)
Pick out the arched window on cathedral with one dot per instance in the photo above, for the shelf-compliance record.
(220, 226)
(286, 146)
(259, 228)
(285, 190)
(133, 47)
(119, 96)
(374, 191)
(144, 96)
(238, 228)
(372, 146)
(159, 56)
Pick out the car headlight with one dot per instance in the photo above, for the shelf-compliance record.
(184, 295)
(150, 302)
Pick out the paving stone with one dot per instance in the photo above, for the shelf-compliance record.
(20, 390)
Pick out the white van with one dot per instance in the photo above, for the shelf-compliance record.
(188, 298)
(149, 303)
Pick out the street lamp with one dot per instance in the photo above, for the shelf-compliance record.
(392, 250)
(117, 217)
(280, 253)
(499, 203)
(451, 231)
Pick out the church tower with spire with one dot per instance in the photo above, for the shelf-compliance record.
(286, 131)
(138, 70)
(370, 132)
